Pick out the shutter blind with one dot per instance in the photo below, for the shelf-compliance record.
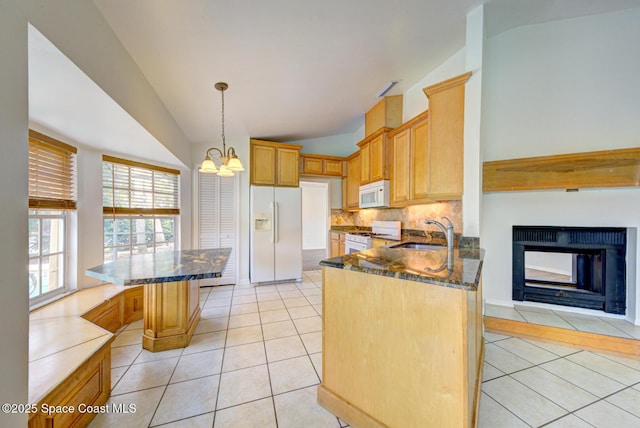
(217, 221)
(136, 188)
(52, 173)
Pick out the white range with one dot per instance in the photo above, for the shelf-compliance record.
(358, 241)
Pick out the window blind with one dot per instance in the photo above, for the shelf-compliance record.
(130, 187)
(52, 173)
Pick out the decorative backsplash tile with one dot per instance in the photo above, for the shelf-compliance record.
(411, 217)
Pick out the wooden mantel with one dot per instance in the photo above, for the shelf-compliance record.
(601, 169)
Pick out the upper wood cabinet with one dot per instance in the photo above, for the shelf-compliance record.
(274, 164)
(446, 138)
(409, 162)
(374, 157)
(351, 184)
(321, 165)
(387, 113)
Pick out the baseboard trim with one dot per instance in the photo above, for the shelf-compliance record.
(629, 348)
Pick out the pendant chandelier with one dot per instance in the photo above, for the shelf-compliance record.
(230, 161)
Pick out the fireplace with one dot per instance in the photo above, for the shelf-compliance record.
(573, 266)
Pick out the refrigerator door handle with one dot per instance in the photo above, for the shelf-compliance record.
(272, 238)
(276, 222)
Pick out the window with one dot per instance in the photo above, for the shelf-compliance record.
(52, 193)
(140, 205)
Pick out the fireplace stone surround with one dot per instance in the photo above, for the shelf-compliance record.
(599, 264)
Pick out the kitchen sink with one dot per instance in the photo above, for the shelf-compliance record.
(420, 246)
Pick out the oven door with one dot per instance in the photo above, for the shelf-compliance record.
(353, 247)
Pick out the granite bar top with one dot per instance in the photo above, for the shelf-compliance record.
(163, 267)
(460, 270)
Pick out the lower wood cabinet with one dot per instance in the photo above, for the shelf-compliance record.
(337, 244)
(107, 315)
(421, 341)
(89, 385)
(133, 299)
(119, 310)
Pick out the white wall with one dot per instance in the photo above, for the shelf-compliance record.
(79, 31)
(315, 215)
(561, 87)
(14, 302)
(333, 145)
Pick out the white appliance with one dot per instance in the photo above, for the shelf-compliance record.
(358, 241)
(375, 195)
(276, 234)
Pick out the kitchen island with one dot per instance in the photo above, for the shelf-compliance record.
(171, 308)
(402, 337)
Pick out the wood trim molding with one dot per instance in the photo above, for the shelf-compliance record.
(35, 135)
(274, 144)
(107, 158)
(600, 169)
(373, 136)
(628, 348)
(446, 84)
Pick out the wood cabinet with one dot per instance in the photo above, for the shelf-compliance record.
(422, 341)
(379, 242)
(387, 113)
(409, 162)
(274, 164)
(351, 184)
(320, 165)
(337, 244)
(107, 315)
(374, 157)
(446, 138)
(132, 301)
(171, 314)
(606, 168)
(88, 385)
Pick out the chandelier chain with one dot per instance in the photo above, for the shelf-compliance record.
(224, 145)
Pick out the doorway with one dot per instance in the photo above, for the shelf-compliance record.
(315, 223)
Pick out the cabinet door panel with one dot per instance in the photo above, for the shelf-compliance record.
(364, 164)
(446, 144)
(333, 167)
(263, 162)
(377, 159)
(287, 167)
(400, 172)
(419, 160)
(353, 183)
(311, 165)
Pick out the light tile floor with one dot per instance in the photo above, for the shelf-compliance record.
(255, 361)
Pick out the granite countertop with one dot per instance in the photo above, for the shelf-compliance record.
(461, 270)
(163, 267)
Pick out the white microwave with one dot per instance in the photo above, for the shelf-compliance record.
(375, 195)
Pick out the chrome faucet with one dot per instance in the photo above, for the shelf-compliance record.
(447, 230)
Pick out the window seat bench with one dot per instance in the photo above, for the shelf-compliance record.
(70, 352)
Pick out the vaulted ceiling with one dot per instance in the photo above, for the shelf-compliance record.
(296, 69)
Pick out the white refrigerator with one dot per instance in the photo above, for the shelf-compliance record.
(276, 234)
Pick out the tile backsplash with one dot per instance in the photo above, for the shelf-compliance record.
(411, 217)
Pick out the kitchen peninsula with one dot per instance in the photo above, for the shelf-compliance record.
(402, 337)
(171, 308)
